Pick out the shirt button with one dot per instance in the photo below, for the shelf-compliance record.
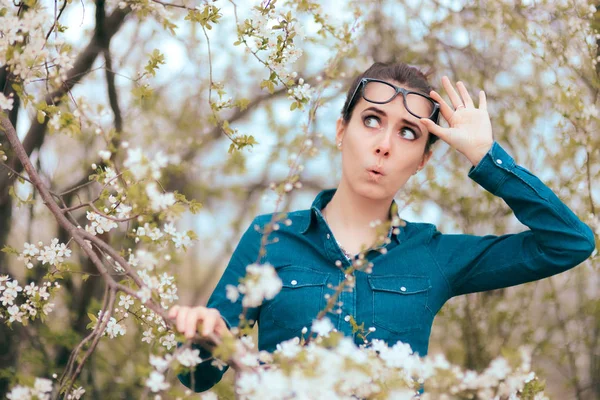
(328, 236)
(347, 318)
(499, 161)
(403, 289)
(294, 282)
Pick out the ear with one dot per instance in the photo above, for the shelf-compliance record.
(340, 129)
(426, 158)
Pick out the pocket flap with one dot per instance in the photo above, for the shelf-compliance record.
(296, 277)
(401, 284)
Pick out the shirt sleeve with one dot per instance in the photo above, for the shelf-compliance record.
(246, 252)
(556, 241)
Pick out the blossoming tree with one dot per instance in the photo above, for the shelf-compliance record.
(122, 125)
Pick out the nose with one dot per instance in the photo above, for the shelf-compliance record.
(384, 144)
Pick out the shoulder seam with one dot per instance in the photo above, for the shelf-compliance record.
(433, 228)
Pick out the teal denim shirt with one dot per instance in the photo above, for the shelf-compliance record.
(410, 283)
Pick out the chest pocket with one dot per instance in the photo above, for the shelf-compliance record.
(300, 299)
(400, 302)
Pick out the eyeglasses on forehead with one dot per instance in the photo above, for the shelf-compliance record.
(380, 92)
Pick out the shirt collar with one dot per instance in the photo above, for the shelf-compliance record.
(324, 197)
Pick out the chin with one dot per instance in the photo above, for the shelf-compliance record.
(371, 190)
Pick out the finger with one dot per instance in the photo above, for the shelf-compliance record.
(434, 128)
(209, 323)
(173, 311)
(191, 322)
(181, 316)
(221, 328)
(482, 101)
(445, 109)
(454, 97)
(462, 89)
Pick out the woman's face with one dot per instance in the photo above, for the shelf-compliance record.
(386, 136)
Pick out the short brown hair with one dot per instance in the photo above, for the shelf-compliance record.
(399, 72)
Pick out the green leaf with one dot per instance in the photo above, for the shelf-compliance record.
(242, 103)
(10, 250)
(195, 206)
(93, 323)
(267, 84)
(41, 116)
(142, 92)
(232, 148)
(156, 58)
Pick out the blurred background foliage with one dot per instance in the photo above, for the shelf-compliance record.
(536, 60)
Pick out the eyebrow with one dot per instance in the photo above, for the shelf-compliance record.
(383, 113)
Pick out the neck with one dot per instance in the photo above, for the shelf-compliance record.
(354, 213)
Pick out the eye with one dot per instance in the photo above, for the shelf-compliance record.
(412, 132)
(373, 118)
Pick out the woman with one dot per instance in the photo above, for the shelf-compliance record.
(385, 133)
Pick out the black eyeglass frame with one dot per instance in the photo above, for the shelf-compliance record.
(435, 114)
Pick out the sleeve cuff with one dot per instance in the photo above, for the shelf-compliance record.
(493, 168)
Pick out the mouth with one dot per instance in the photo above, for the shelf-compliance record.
(375, 171)
(375, 175)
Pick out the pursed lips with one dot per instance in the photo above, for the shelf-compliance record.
(376, 170)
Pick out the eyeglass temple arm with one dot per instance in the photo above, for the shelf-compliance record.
(353, 95)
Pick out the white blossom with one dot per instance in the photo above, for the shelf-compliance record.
(189, 357)
(47, 309)
(498, 368)
(168, 341)
(104, 154)
(159, 201)
(232, 293)
(76, 393)
(322, 326)
(19, 393)
(261, 283)
(42, 387)
(161, 364)
(99, 223)
(31, 289)
(126, 301)
(15, 313)
(5, 102)
(110, 176)
(123, 211)
(170, 229)
(114, 329)
(148, 336)
(156, 382)
(181, 239)
(136, 162)
(30, 250)
(12, 288)
(144, 294)
(145, 260)
(289, 348)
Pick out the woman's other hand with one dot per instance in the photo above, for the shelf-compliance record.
(188, 320)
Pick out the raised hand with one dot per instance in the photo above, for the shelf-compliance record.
(470, 128)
